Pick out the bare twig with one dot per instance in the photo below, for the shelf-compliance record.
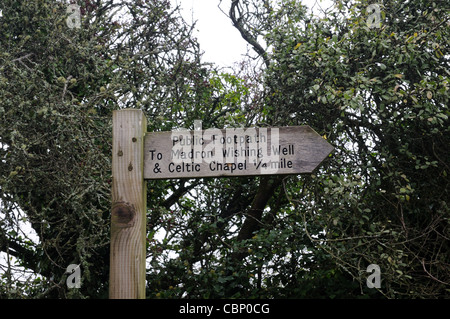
(65, 87)
(434, 278)
(20, 60)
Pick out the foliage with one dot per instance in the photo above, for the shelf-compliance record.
(378, 94)
(58, 87)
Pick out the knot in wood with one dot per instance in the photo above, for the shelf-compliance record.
(123, 214)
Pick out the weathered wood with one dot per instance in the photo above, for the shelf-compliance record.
(138, 155)
(128, 219)
(239, 152)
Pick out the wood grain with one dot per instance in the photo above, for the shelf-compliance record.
(260, 151)
(128, 219)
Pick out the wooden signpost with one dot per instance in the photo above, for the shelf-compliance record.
(233, 152)
(139, 155)
(129, 203)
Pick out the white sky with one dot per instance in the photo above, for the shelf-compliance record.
(220, 41)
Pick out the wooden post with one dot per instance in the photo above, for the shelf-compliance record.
(128, 217)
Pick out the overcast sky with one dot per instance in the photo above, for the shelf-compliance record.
(220, 41)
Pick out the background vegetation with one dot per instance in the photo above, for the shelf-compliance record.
(379, 94)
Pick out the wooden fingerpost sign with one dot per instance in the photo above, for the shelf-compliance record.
(129, 203)
(138, 156)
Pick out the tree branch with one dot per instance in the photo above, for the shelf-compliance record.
(237, 23)
(253, 221)
(28, 257)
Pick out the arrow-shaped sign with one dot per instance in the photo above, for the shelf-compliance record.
(233, 152)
